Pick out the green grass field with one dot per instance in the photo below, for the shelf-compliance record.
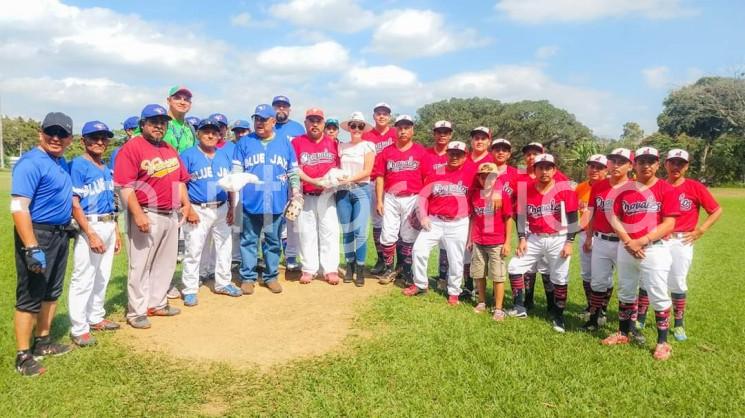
(423, 359)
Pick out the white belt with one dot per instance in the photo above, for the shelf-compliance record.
(678, 235)
(108, 217)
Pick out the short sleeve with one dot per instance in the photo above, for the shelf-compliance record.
(570, 201)
(708, 202)
(26, 178)
(78, 176)
(125, 168)
(379, 166)
(184, 176)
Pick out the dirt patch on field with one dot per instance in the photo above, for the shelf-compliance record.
(728, 192)
(263, 329)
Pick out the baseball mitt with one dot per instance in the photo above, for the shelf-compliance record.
(293, 208)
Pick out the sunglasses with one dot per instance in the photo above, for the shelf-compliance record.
(314, 119)
(357, 126)
(259, 119)
(56, 131)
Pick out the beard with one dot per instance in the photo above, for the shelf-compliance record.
(282, 117)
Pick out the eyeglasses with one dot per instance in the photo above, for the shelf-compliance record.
(181, 97)
(56, 131)
(357, 126)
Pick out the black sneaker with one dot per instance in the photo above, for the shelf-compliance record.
(557, 323)
(27, 365)
(589, 326)
(637, 337)
(349, 273)
(378, 268)
(387, 276)
(43, 347)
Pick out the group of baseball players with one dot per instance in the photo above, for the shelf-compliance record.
(281, 187)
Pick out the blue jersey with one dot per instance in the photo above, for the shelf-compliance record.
(112, 158)
(228, 149)
(46, 181)
(204, 173)
(288, 130)
(94, 186)
(271, 162)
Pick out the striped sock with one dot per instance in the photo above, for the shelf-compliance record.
(560, 298)
(626, 313)
(596, 301)
(642, 306)
(662, 318)
(517, 283)
(588, 292)
(606, 299)
(389, 252)
(406, 249)
(679, 304)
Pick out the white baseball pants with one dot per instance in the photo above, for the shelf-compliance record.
(450, 235)
(396, 211)
(212, 222)
(540, 248)
(650, 273)
(319, 233)
(585, 259)
(677, 279)
(604, 258)
(90, 277)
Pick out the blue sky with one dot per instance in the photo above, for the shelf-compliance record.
(606, 61)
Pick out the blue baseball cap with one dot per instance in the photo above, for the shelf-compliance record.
(241, 124)
(154, 110)
(220, 118)
(208, 122)
(96, 126)
(264, 111)
(131, 122)
(192, 120)
(280, 99)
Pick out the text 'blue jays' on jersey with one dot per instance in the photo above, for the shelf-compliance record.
(46, 181)
(205, 173)
(271, 162)
(94, 186)
(288, 130)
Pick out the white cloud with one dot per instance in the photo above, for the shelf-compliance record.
(333, 15)
(327, 56)
(545, 52)
(539, 11)
(384, 77)
(242, 20)
(417, 33)
(657, 77)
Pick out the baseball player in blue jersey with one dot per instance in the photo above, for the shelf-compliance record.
(95, 212)
(130, 126)
(41, 206)
(211, 214)
(272, 160)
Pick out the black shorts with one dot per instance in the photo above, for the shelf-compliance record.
(34, 288)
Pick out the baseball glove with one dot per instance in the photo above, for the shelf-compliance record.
(293, 208)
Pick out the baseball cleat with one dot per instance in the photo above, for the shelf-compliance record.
(453, 300)
(680, 334)
(229, 290)
(28, 366)
(191, 300)
(378, 268)
(558, 325)
(85, 340)
(662, 351)
(140, 322)
(388, 276)
(306, 278)
(168, 310)
(105, 325)
(618, 338)
(46, 348)
(589, 326)
(517, 313)
(413, 290)
(332, 278)
(637, 337)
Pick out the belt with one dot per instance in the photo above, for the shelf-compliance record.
(653, 243)
(101, 218)
(159, 211)
(607, 237)
(551, 235)
(312, 193)
(210, 205)
(403, 194)
(678, 235)
(355, 185)
(52, 228)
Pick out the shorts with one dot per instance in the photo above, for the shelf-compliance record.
(489, 258)
(34, 288)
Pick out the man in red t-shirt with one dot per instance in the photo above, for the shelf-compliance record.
(443, 214)
(381, 136)
(644, 213)
(153, 183)
(692, 196)
(317, 154)
(546, 233)
(399, 173)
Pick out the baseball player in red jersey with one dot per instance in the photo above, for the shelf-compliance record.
(399, 173)
(381, 136)
(548, 231)
(443, 213)
(601, 241)
(501, 151)
(644, 213)
(442, 133)
(692, 196)
(317, 154)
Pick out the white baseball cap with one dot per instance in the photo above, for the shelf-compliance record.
(677, 153)
(501, 141)
(599, 159)
(358, 118)
(457, 145)
(443, 124)
(383, 105)
(544, 158)
(536, 145)
(623, 152)
(403, 118)
(647, 151)
(482, 129)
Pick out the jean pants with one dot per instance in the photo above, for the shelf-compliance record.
(353, 209)
(253, 227)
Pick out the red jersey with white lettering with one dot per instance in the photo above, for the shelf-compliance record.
(446, 192)
(153, 170)
(438, 161)
(487, 158)
(488, 227)
(380, 140)
(544, 211)
(641, 209)
(508, 178)
(315, 158)
(601, 204)
(403, 172)
(692, 196)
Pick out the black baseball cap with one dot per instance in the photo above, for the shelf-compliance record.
(57, 119)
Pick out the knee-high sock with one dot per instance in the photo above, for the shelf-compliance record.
(626, 314)
(443, 266)
(606, 299)
(389, 252)
(467, 276)
(517, 283)
(560, 298)
(406, 248)
(549, 288)
(643, 306)
(679, 303)
(588, 292)
(378, 245)
(529, 283)
(399, 254)
(662, 318)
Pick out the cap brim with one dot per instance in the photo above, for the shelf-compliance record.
(345, 125)
(108, 133)
(187, 91)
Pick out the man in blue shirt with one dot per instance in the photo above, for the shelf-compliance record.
(95, 212)
(272, 160)
(211, 213)
(129, 125)
(41, 207)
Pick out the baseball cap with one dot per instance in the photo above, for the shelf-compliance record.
(153, 110)
(192, 120)
(178, 89)
(96, 126)
(482, 129)
(457, 146)
(382, 105)
(209, 121)
(501, 141)
(219, 118)
(533, 145)
(281, 99)
(443, 124)
(332, 121)
(131, 122)
(241, 124)
(622, 152)
(647, 151)
(314, 111)
(57, 119)
(403, 119)
(599, 159)
(677, 153)
(264, 111)
(544, 158)
(486, 168)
